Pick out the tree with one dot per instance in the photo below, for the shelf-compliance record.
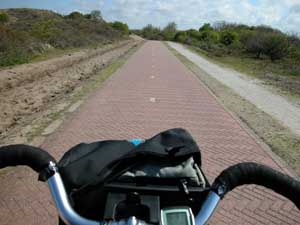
(169, 31)
(206, 27)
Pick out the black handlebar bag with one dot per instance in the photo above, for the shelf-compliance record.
(169, 158)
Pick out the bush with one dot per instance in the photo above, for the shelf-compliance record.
(275, 45)
(193, 34)
(13, 57)
(12, 47)
(294, 53)
(181, 36)
(253, 43)
(123, 27)
(75, 15)
(5, 37)
(228, 37)
(3, 18)
(265, 41)
(209, 36)
(44, 30)
(35, 31)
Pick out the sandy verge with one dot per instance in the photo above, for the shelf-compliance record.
(31, 90)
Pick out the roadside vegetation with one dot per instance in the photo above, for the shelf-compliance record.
(259, 51)
(26, 34)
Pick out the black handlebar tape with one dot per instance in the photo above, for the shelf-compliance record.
(253, 173)
(17, 155)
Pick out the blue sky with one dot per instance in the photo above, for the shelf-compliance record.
(282, 14)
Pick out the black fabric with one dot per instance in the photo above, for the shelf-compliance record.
(253, 173)
(175, 143)
(87, 167)
(85, 163)
(17, 155)
(93, 163)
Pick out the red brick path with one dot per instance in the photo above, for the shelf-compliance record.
(152, 92)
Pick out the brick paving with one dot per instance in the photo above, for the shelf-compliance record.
(153, 92)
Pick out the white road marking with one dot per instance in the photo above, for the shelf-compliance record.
(152, 99)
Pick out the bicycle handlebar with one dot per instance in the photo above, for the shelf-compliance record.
(253, 173)
(25, 155)
(232, 177)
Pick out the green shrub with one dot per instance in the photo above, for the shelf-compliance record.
(228, 37)
(75, 15)
(87, 16)
(294, 52)
(4, 18)
(44, 30)
(253, 42)
(5, 37)
(193, 34)
(180, 36)
(169, 31)
(275, 45)
(13, 46)
(123, 27)
(35, 31)
(13, 57)
(209, 36)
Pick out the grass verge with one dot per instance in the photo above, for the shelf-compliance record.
(280, 139)
(281, 75)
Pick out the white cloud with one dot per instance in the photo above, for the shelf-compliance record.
(280, 14)
(291, 22)
(87, 6)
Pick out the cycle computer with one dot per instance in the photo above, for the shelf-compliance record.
(177, 216)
